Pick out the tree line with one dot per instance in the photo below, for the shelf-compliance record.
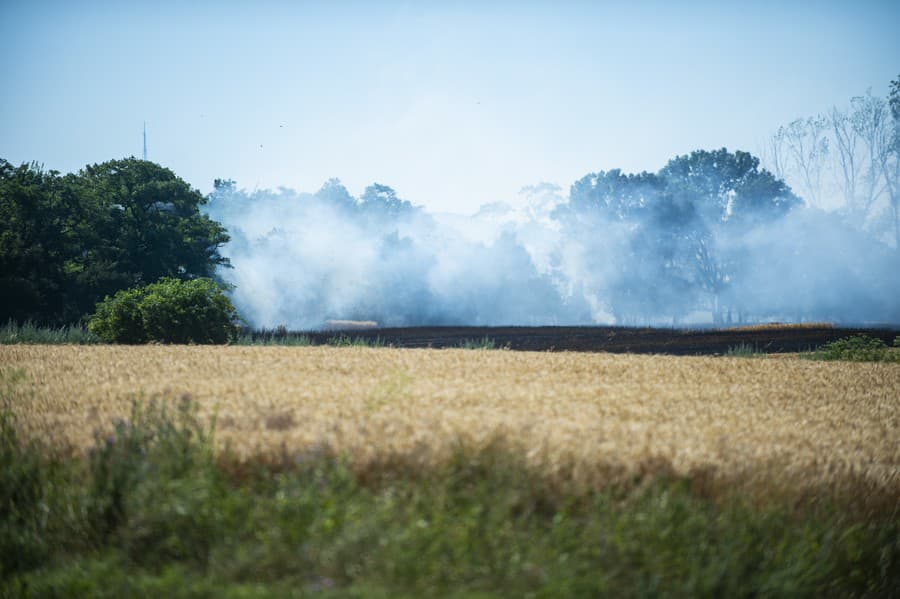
(67, 241)
(696, 235)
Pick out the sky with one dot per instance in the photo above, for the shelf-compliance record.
(453, 104)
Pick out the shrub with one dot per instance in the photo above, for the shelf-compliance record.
(858, 348)
(168, 311)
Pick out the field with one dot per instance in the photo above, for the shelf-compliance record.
(380, 472)
(584, 417)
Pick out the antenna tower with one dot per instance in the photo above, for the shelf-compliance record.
(145, 140)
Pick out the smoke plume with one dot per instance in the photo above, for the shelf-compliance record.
(661, 249)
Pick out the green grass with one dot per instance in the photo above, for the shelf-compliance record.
(13, 333)
(858, 348)
(281, 336)
(744, 350)
(289, 339)
(154, 511)
(483, 343)
(348, 341)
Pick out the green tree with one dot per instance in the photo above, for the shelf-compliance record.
(68, 241)
(35, 242)
(151, 225)
(728, 192)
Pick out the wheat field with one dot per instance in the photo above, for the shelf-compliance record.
(585, 417)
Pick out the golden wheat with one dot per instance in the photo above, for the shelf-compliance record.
(781, 326)
(584, 416)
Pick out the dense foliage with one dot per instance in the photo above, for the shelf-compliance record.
(168, 311)
(66, 241)
(155, 511)
(858, 348)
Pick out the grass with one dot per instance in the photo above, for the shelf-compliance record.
(858, 348)
(282, 337)
(14, 333)
(348, 341)
(483, 343)
(154, 510)
(29, 333)
(266, 338)
(744, 350)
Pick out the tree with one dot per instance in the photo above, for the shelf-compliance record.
(871, 118)
(804, 145)
(849, 158)
(335, 194)
(66, 242)
(380, 202)
(614, 194)
(156, 228)
(727, 187)
(890, 162)
(35, 243)
(727, 194)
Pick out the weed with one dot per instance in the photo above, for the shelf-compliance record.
(13, 333)
(744, 350)
(348, 341)
(483, 343)
(267, 338)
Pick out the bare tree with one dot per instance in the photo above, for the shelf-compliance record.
(772, 155)
(888, 151)
(891, 166)
(870, 118)
(806, 145)
(846, 140)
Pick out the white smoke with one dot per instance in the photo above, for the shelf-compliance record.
(301, 259)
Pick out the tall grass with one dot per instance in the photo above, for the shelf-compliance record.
(12, 333)
(153, 510)
(348, 341)
(483, 343)
(744, 350)
(293, 340)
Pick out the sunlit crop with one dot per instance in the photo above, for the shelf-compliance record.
(589, 418)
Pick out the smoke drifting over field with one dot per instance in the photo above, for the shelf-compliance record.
(625, 249)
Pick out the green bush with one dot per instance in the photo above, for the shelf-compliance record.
(168, 311)
(858, 348)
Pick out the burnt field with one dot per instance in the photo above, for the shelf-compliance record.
(637, 340)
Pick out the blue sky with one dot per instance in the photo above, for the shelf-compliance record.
(452, 104)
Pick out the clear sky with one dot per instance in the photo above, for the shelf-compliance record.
(454, 104)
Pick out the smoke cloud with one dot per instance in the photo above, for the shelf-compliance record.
(661, 249)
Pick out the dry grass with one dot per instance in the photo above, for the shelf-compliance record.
(782, 326)
(590, 418)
